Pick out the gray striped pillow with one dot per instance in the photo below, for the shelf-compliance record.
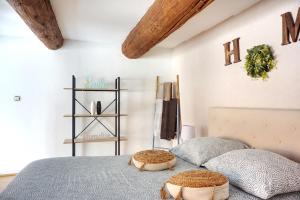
(261, 173)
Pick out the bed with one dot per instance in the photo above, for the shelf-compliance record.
(91, 178)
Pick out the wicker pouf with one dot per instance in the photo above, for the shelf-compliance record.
(153, 160)
(197, 184)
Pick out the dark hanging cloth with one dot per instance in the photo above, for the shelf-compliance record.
(169, 119)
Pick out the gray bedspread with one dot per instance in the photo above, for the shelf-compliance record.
(97, 178)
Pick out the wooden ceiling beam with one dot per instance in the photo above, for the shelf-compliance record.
(161, 19)
(40, 18)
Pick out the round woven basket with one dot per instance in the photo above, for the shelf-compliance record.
(197, 184)
(153, 160)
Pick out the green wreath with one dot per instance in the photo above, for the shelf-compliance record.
(259, 61)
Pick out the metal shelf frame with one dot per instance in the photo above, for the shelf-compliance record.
(117, 115)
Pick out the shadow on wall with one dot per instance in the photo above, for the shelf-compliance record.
(157, 52)
(204, 131)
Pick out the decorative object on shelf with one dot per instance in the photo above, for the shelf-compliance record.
(91, 82)
(98, 107)
(259, 61)
(235, 51)
(153, 160)
(187, 133)
(93, 108)
(196, 184)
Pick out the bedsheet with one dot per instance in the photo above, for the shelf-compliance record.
(98, 178)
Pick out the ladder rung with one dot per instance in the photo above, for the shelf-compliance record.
(165, 148)
(95, 138)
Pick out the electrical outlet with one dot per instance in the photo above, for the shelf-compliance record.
(17, 98)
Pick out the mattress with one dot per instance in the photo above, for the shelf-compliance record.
(97, 178)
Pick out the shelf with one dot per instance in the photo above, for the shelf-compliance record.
(95, 89)
(102, 115)
(95, 138)
(113, 114)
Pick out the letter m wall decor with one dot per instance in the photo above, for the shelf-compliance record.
(290, 28)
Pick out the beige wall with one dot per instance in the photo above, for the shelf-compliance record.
(206, 82)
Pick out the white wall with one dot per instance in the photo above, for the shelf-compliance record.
(206, 82)
(34, 127)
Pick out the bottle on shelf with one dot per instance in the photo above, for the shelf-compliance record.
(98, 107)
(93, 108)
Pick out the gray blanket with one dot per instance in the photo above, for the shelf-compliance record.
(97, 178)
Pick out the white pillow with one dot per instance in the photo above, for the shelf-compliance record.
(261, 173)
(199, 150)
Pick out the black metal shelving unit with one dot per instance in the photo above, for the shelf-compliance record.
(115, 135)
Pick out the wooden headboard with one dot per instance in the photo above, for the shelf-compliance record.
(277, 130)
